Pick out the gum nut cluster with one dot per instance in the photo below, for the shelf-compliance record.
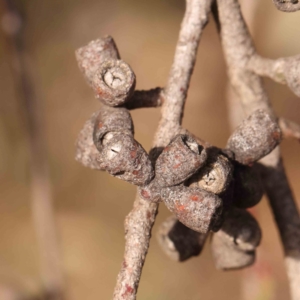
(206, 188)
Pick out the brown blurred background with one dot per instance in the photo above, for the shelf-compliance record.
(91, 206)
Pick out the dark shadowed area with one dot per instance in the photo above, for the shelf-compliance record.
(91, 206)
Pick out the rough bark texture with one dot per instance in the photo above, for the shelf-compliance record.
(238, 50)
(139, 222)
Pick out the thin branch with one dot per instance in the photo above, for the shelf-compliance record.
(289, 129)
(143, 99)
(239, 49)
(139, 222)
(287, 5)
(283, 70)
(41, 196)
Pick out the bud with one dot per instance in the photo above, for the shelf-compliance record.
(256, 137)
(178, 241)
(114, 82)
(124, 158)
(179, 160)
(248, 189)
(195, 208)
(91, 56)
(109, 120)
(215, 176)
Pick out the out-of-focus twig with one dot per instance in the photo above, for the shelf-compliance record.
(289, 129)
(239, 49)
(32, 118)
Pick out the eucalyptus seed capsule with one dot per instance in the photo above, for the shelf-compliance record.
(256, 137)
(195, 208)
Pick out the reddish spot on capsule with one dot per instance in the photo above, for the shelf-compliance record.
(194, 197)
(133, 153)
(180, 207)
(177, 166)
(135, 172)
(100, 125)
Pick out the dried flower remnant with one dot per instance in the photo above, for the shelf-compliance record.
(195, 208)
(179, 160)
(233, 246)
(215, 176)
(113, 82)
(179, 242)
(91, 56)
(248, 189)
(256, 137)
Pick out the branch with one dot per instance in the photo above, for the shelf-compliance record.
(41, 196)
(287, 5)
(139, 222)
(143, 99)
(289, 129)
(282, 70)
(238, 49)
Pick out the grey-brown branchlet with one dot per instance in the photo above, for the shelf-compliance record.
(195, 208)
(257, 136)
(113, 82)
(91, 56)
(292, 74)
(215, 176)
(179, 160)
(179, 242)
(123, 157)
(110, 120)
(86, 151)
(233, 246)
(248, 189)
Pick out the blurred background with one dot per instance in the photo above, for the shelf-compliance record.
(90, 206)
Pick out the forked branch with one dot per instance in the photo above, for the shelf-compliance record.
(139, 222)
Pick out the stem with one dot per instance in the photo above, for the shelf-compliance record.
(139, 222)
(238, 49)
(41, 196)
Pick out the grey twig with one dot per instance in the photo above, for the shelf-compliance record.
(239, 50)
(283, 70)
(289, 129)
(139, 222)
(41, 196)
(143, 99)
